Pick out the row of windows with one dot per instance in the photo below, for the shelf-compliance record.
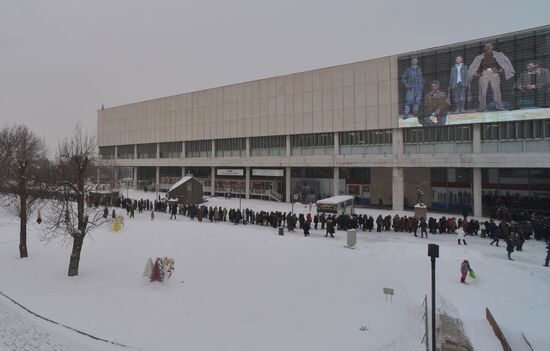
(443, 134)
(276, 145)
(312, 140)
(516, 130)
(366, 137)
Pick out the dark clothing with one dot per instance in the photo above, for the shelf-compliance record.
(488, 62)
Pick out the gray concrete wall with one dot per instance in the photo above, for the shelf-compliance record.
(381, 185)
(356, 96)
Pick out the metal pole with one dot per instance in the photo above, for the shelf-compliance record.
(433, 304)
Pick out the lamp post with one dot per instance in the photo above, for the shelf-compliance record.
(433, 252)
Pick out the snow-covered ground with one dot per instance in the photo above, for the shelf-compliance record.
(247, 288)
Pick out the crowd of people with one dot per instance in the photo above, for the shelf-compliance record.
(513, 233)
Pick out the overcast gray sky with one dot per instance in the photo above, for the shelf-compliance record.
(61, 59)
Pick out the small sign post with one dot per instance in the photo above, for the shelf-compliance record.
(388, 291)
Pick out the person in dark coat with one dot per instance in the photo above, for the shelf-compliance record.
(423, 226)
(173, 211)
(315, 221)
(105, 212)
(370, 223)
(330, 227)
(547, 260)
(306, 226)
(510, 246)
(379, 223)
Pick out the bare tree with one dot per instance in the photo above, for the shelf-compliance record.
(25, 184)
(8, 141)
(68, 217)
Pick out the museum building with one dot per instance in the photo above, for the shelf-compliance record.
(468, 123)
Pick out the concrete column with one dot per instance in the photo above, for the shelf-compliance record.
(182, 155)
(397, 189)
(476, 138)
(336, 143)
(288, 146)
(115, 176)
(247, 149)
(288, 195)
(135, 177)
(212, 181)
(135, 152)
(213, 148)
(158, 150)
(397, 141)
(183, 171)
(336, 183)
(116, 152)
(157, 179)
(477, 192)
(247, 181)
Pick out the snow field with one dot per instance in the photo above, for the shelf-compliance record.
(246, 288)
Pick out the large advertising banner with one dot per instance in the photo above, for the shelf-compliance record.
(494, 80)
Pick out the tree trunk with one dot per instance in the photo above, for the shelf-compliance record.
(23, 227)
(75, 255)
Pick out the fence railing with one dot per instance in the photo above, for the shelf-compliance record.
(425, 318)
(497, 330)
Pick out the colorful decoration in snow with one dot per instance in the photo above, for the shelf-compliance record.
(116, 225)
(160, 270)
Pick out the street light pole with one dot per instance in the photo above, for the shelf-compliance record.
(433, 252)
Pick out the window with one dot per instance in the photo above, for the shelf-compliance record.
(312, 140)
(170, 150)
(366, 137)
(146, 150)
(106, 152)
(268, 146)
(125, 151)
(230, 147)
(198, 148)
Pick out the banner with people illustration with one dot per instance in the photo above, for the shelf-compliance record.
(499, 79)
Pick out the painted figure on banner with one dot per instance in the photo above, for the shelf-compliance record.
(435, 106)
(533, 86)
(487, 67)
(413, 81)
(459, 86)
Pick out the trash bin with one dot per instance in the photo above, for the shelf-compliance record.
(352, 237)
(281, 231)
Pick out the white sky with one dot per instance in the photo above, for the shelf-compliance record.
(61, 59)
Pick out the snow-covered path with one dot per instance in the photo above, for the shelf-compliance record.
(20, 331)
